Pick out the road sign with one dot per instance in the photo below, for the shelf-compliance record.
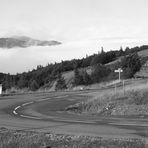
(119, 70)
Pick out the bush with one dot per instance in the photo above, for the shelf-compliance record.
(78, 79)
(99, 72)
(61, 84)
(137, 97)
(34, 85)
(131, 64)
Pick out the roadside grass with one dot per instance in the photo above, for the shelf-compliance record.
(22, 139)
(134, 94)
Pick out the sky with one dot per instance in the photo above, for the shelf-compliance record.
(83, 27)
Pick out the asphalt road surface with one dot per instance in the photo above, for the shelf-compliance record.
(45, 112)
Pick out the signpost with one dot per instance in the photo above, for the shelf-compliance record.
(0, 89)
(119, 70)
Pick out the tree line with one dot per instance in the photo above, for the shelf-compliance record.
(41, 76)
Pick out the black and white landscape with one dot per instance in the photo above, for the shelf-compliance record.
(73, 74)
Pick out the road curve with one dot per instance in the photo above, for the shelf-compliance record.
(45, 112)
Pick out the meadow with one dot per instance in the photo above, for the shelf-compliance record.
(22, 139)
(104, 102)
(132, 99)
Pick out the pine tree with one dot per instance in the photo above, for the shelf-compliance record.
(6, 82)
(121, 52)
(131, 64)
(86, 78)
(99, 72)
(22, 82)
(61, 84)
(34, 85)
(78, 79)
(102, 50)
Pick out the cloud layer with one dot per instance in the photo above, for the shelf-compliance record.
(83, 26)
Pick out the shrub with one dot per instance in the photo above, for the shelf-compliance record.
(131, 64)
(99, 72)
(136, 97)
(61, 84)
(78, 78)
(34, 85)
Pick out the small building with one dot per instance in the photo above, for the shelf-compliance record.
(0, 89)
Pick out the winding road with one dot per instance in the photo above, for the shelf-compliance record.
(44, 112)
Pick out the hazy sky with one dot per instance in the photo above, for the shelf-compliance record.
(83, 26)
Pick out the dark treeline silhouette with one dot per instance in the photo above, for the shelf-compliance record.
(42, 76)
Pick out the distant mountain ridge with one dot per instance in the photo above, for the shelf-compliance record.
(24, 42)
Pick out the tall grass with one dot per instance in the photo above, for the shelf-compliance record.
(132, 94)
(20, 139)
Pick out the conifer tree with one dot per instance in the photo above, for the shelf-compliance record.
(78, 79)
(34, 85)
(131, 64)
(86, 78)
(61, 84)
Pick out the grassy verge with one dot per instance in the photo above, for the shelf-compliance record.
(22, 139)
(131, 101)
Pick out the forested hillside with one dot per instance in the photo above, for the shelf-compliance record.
(100, 70)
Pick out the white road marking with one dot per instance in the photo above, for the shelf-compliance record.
(27, 103)
(31, 117)
(15, 112)
(17, 107)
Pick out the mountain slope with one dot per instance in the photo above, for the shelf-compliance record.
(46, 77)
(24, 42)
(68, 76)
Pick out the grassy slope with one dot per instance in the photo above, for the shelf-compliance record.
(144, 69)
(143, 72)
(68, 76)
(131, 101)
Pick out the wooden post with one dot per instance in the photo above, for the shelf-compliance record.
(115, 89)
(0, 89)
(123, 87)
(119, 70)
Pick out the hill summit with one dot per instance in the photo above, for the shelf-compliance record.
(24, 42)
